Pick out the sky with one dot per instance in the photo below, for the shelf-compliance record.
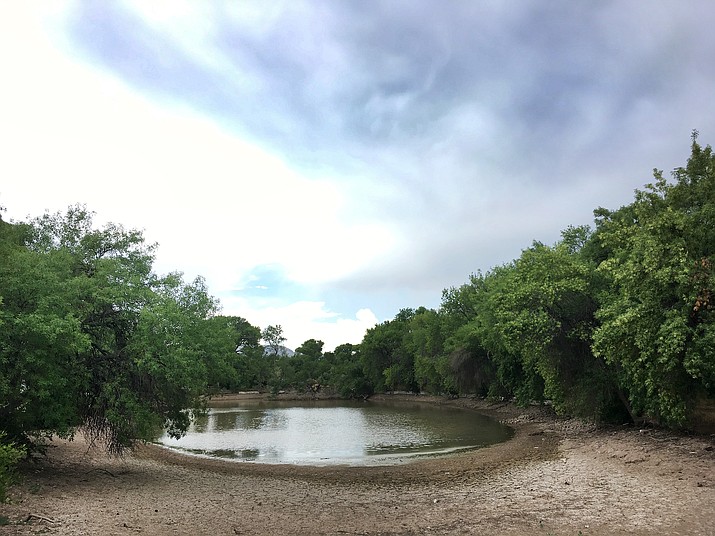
(326, 163)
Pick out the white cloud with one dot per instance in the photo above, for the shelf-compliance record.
(303, 320)
(200, 191)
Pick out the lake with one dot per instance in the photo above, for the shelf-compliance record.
(336, 432)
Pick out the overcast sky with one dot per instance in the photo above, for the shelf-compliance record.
(326, 163)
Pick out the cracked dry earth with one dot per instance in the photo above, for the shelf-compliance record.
(555, 477)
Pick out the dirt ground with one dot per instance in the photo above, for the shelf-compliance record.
(555, 477)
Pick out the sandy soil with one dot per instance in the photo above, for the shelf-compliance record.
(554, 477)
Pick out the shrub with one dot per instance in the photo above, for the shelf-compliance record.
(10, 454)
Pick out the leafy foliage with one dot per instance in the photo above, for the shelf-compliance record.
(274, 339)
(657, 317)
(387, 362)
(10, 454)
(92, 337)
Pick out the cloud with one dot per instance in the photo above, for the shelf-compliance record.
(219, 206)
(303, 320)
(372, 154)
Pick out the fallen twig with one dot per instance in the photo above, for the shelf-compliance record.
(41, 518)
(102, 470)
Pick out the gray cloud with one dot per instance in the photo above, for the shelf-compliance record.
(495, 123)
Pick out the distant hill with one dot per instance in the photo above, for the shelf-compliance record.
(282, 350)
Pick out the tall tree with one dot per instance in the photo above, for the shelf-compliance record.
(424, 340)
(274, 339)
(91, 336)
(311, 369)
(347, 375)
(546, 315)
(386, 360)
(657, 319)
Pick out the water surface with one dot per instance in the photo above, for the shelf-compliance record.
(336, 432)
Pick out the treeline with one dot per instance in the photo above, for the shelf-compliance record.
(614, 322)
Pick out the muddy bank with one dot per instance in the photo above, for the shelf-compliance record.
(556, 476)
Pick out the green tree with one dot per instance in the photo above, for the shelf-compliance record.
(546, 316)
(311, 349)
(274, 339)
(468, 365)
(346, 374)
(310, 366)
(387, 363)
(92, 337)
(424, 340)
(40, 340)
(482, 356)
(657, 316)
(167, 373)
(245, 360)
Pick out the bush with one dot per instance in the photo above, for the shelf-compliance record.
(9, 456)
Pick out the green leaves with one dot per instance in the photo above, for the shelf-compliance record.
(92, 337)
(656, 315)
(10, 454)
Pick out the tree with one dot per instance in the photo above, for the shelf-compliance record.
(386, 361)
(657, 315)
(311, 370)
(41, 338)
(274, 339)
(92, 337)
(311, 349)
(482, 355)
(346, 374)
(424, 341)
(244, 366)
(547, 316)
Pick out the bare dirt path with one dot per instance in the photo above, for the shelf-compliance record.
(554, 477)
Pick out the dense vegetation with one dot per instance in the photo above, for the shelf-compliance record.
(614, 322)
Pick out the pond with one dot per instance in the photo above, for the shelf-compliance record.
(336, 432)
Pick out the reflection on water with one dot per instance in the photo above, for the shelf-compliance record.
(330, 432)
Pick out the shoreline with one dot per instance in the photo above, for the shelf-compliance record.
(554, 477)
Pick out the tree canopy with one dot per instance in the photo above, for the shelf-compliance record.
(92, 337)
